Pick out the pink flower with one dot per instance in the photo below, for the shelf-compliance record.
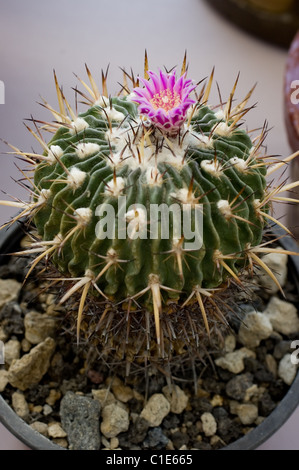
(165, 100)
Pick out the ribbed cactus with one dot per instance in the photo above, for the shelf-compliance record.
(149, 161)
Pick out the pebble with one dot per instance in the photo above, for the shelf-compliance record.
(115, 420)
(234, 361)
(80, 420)
(47, 410)
(61, 442)
(247, 413)
(286, 369)
(217, 400)
(3, 335)
(277, 262)
(40, 427)
(271, 364)
(122, 392)
(209, 424)
(56, 431)
(20, 404)
(283, 316)
(155, 439)
(156, 409)
(237, 387)
(9, 290)
(177, 398)
(254, 328)
(230, 343)
(114, 443)
(282, 348)
(3, 379)
(103, 396)
(25, 345)
(54, 395)
(12, 351)
(39, 326)
(29, 370)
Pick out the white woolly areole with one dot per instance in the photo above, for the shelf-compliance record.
(153, 176)
(55, 153)
(78, 125)
(138, 213)
(103, 101)
(76, 178)
(83, 215)
(211, 166)
(224, 208)
(115, 186)
(223, 129)
(220, 114)
(44, 196)
(85, 149)
(185, 197)
(112, 114)
(240, 164)
(256, 203)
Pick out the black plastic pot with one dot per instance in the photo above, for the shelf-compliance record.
(8, 242)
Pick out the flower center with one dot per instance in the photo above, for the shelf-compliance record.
(166, 99)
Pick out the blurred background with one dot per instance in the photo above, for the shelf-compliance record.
(39, 36)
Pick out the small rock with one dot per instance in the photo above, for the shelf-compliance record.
(37, 409)
(12, 350)
(230, 343)
(277, 263)
(104, 397)
(217, 400)
(209, 424)
(247, 413)
(20, 405)
(54, 395)
(25, 345)
(114, 443)
(179, 439)
(61, 442)
(3, 379)
(55, 430)
(40, 427)
(80, 419)
(282, 348)
(11, 318)
(3, 335)
(155, 439)
(155, 410)
(177, 398)
(29, 370)
(237, 387)
(266, 404)
(286, 369)
(47, 410)
(114, 420)
(254, 328)
(9, 290)
(283, 316)
(122, 393)
(39, 326)
(95, 377)
(271, 365)
(234, 361)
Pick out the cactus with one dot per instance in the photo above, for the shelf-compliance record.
(154, 147)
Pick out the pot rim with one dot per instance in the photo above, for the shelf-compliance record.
(250, 441)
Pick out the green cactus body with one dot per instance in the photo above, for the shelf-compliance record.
(110, 153)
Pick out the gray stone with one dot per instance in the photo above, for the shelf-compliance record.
(237, 387)
(234, 361)
(30, 369)
(277, 263)
(115, 420)
(39, 326)
(155, 439)
(155, 410)
(20, 405)
(12, 350)
(286, 369)
(9, 290)
(254, 328)
(177, 398)
(80, 420)
(209, 424)
(283, 316)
